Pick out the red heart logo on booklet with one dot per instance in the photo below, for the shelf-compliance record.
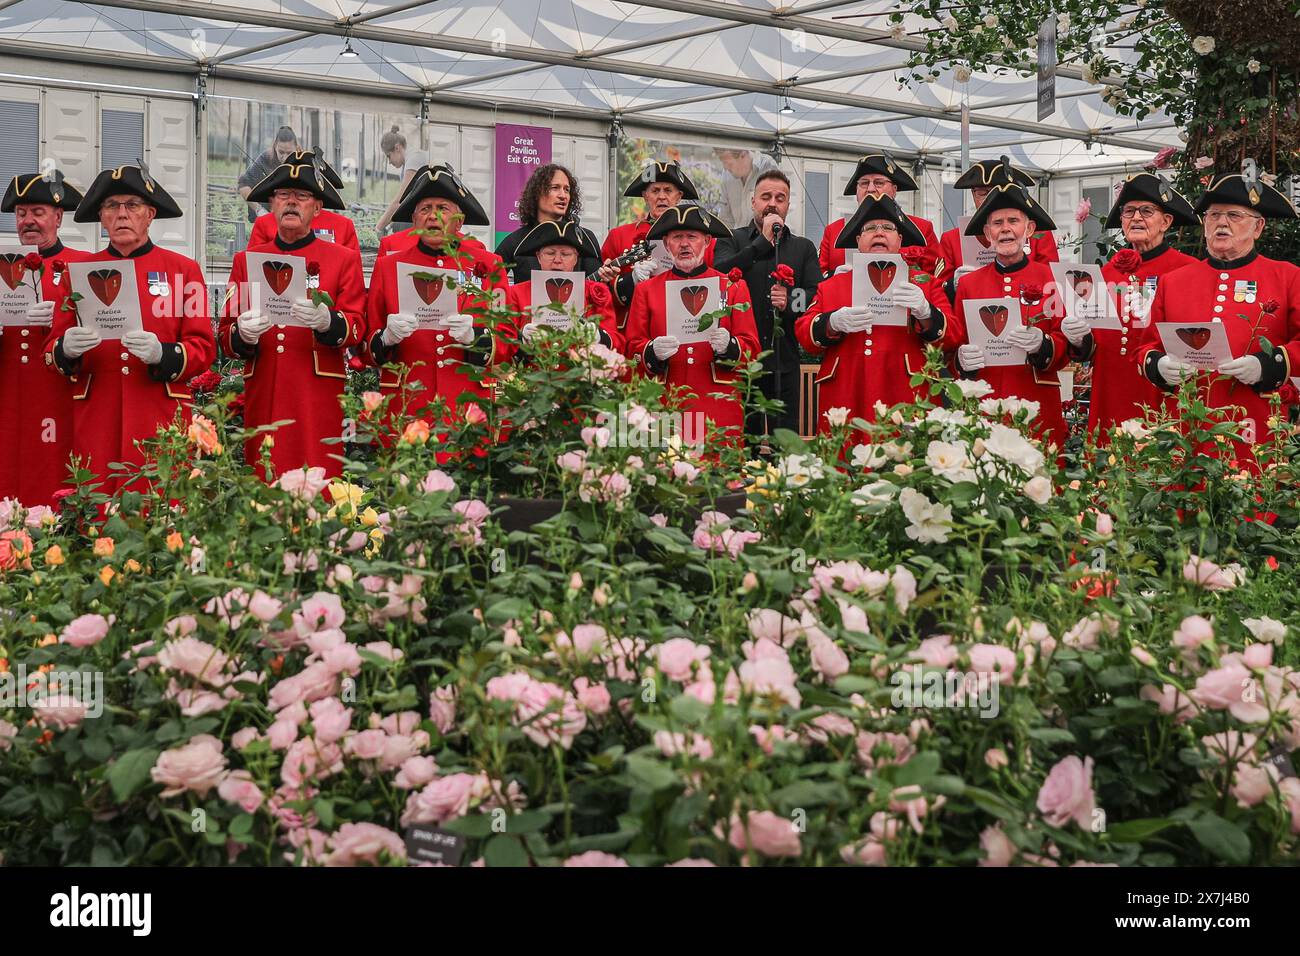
(427, 289)
(881, 274)
(559, 290)
(1195, 338)
(277, 275)
(106, 284)
(694, 297)
(1082, 283)
(12, 269)
(994, 318)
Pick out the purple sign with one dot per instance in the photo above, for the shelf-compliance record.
(520, 150)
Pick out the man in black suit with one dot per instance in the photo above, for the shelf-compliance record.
(757, 249)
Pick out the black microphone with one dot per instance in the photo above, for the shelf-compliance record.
(777, 229)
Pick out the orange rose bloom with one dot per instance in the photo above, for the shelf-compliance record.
(103, 547)
(203, 434)
(416, 432)
(15, 550)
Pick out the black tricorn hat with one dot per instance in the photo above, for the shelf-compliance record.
(1260, 197)
(298, 175)
(663, 173)
(50, 189)
(307, 156)
(883, 164)
(688, 215)
(1154, 190)
(993, 172)
(134, 180)
(567, 233)
(878, 206)
(1009, 196)
(440, 182)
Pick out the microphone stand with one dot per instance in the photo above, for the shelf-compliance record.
(778, 327)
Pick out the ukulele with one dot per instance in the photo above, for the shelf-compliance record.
(640, 250)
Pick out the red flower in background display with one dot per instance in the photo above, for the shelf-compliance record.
(206, 381)
(1126, 260)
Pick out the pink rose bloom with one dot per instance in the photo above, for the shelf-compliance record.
(713, 533)
(1253, 785)
(436, 481)
(238, 787)
(472, 511)
(767, 833)
(193, 701)
(595, 858)
(197, 766)
(882, 749)
(998, 848)
(406, 722)
(59, 711)
(356, 843)
(182, 626)
(243, 737)
(1258, 656)
(366, 745)
(864, 853)
(1231, 745)
(343, 659)
(661, 520)
(1143, 655)
(442, 709)
(765, 736)
(993, 659)
(1206, 574)
(853, 618)
(508, 686)
(1067, 794)
(197, 658)
(322, 641)
(311, 683)
(822, 728)
(996, 758)
(1290, 788)
(587, 640)
(1105, 524)
(399, 748)
(416, 772)
(828, 659)
(1231, 688)
(691, 861)
(385, 650)
(536, 714)
(330, 720)
(1083, 635)
(903, 582)
(674, 745)
(1192, 633)
(593, 698)
(677, 658)
(574, 462)
(766, 676)
(320, 611)
(768, 624)
(911, 801)
(303, 484)
(7, 734)
(937, 651)
(444, 799)
(264, 607)
(1082, 211)
(87, 630)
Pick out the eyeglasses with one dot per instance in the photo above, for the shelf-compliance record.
(300, 195)
(880, 227)
(1234, 216)
(131, 205)
(875, 185)
(1139, 212)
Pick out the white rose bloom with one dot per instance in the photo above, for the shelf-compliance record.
(950, 23)
(1266, 629)
(991, 20)
(974, 388)
(876, 493)
(997, 407)
(837, 416)
(1088, 75)
(898, 31)
(930, 520)
(898, 452)
(1062, 22)
(1235, 573)
(1011, 446)
(1038, 490)
(961, 74)
(868, 456)
(798, 470)
(947, 416)
(1253, 66)
(1133, 428)
(950, 460)
(1203, 45)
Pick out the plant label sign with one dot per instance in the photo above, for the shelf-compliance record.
(275, 282)
(975, 250)
(1084, 294)
(988, 323)
(876, 276)
(110, 297)
(687, 301)
(428, 844)
(19, 287)
(556, 295)
(425, 294)
(1202, 345)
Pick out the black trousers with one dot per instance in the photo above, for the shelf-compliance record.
(787, 391)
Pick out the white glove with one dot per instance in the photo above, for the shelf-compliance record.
(850, 319)
(1029, 338)
(143, 345)
(970, 357)
(1247, 370)
(1138, 305)
(1172, 370)
(962, 271)
(252, 325)
(842, 269)
(1075, 329)
(590, 331)
(77, 341)
(461, 328)
(40, 313)
(720, 339)
(399, 326)
(315, 317)
(531, 331)
(643, 270)
(665, 347)
(912, 297)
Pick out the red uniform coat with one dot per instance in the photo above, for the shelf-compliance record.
(520, 300)
(35, 407)
(117, 399)
(335, 228)
(859, 369)
(401, 241)
(1042, 248)
(440, 366)
(620, 240)
(1255, 298)
(695, 367)
(830, 258)
(294, 373)
(1032, 284)
(1119, 389)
